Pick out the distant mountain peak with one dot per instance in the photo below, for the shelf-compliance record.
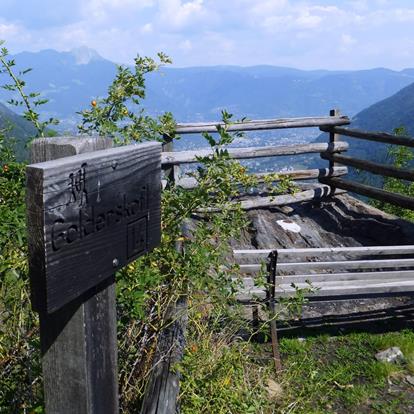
(84, 55)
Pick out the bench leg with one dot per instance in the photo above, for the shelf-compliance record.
(271, 293)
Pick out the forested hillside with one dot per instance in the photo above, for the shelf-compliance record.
(17, 130)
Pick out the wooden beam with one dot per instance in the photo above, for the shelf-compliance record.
(183, 157)
(339, 265)
(317, 193)
(373, 167)
(263, 124)
(189, 183)
(320, 251)
(366, 190)
(371, 136)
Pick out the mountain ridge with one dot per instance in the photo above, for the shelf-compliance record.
(70, 80)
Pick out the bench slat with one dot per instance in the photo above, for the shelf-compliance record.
(356, 264)
(314, 252)
(401, 287)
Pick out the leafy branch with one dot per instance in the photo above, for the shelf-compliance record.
(120, 115)
(28, 100)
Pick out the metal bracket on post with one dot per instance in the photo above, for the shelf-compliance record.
(270, 296)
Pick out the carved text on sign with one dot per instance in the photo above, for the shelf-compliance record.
(95, 216)
(88, 216)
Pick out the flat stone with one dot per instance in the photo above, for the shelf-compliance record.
(410, 379)
(392, 354)
(274, 389)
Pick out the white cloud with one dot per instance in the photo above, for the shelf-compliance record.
(102, 10)
(185, 45)
(348, 40)
(303, 33)
(147, 28)
(177, 15)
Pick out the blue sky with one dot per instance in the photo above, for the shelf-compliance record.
(306, 34)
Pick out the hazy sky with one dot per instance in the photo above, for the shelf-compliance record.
(311, 34)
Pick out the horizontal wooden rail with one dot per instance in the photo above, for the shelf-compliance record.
(263, 124)
(371, 136)
(366, 190)
(189, 182)
(316, 193)
(333, 278)
(373, 167)
(397, 287)
(315, 252)
(183, 157)
(339, 265)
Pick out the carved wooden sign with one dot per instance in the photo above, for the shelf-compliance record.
(89, 215)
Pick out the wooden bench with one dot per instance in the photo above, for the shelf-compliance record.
(324, 274)
(339, 272)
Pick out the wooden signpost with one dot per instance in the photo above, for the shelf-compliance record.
(88, 215)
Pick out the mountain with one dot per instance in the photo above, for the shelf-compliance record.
(390, 113)
(17, 130)
(383, 116)
(260, 92)
(70, 80)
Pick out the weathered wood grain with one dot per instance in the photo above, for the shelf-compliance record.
(398, 287)
(44, 149)
(263, 124)
(373, 167)
(317, 193)
(332, 136)
(316, 252)
(95, 213)
(78, 341)
(371, 136)
(338, 278)
(161, 394)
(185, 157)
(369, 191)
(341, 265)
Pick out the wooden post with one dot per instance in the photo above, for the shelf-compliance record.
(88, 215)
(271, 293)
(171, 170)
(78, 341)
(333, 138)
(163, 386)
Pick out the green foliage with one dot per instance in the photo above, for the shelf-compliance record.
(219, 376)
(326, 374)
(19, 356)
(120, 115)
(29, 100)
(400, 157)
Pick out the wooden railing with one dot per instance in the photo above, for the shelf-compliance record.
(330, 178)
(369, 166)
(172, 160)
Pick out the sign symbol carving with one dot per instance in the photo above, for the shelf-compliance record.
(78, 186)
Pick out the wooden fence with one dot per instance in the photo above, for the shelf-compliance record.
(330, 179)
